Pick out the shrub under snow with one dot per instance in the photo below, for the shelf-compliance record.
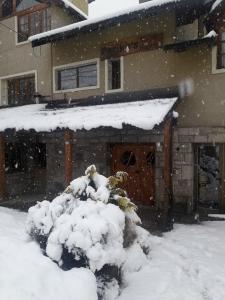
(92, 225)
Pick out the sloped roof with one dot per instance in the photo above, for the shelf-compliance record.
(217, 4)
(136, 12)
(141, 114)
(73, 8)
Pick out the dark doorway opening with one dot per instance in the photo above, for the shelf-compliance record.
(208, 176)
(25, 166)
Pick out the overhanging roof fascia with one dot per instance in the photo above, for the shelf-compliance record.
(217, 9)
(184, 45)
(124, 18)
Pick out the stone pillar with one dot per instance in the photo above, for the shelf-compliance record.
(166, 212)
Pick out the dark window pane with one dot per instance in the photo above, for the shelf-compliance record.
(7, 8)
(87, 76)
(39, 157)
(33, 23)
(23, 28)
(114, 74)
(21, 90)
(15, 160)
(77, 77)
(128, 158)
(150, 158)
(67, 79)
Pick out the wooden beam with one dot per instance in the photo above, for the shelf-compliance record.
(168, 155)
(68, 140)
(2, 168)
(167, 175)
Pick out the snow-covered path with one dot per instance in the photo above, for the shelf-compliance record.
(186, 264)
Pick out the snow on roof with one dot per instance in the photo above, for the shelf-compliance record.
(79, 25)
(141, 114)
(68, 4)
(216, 4)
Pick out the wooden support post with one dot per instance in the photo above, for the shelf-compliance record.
(167, 175)
(2, 168)
(167, 171)
(68, 139)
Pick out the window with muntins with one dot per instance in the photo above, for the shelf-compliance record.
(33, 23)
(82, 76)
(21, 90)
(114, 74)
(10, 8)
(6, 8)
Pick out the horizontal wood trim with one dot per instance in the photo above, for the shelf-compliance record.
(167, 172)
(32, 9)
(132, 45)
(35, 8)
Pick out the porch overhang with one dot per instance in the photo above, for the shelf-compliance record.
(145, 114)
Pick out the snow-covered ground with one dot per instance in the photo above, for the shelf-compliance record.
(186, 264)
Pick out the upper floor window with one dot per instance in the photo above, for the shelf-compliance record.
(6, 8)
(33, 23)
(221, 51)
(77, 77)
(114, 74)
(11, 7)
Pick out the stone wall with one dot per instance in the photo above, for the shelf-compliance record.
(184, 142)
(94, 147)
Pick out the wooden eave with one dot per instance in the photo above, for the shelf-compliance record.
(186, 45)
(44, 4)
(127, 17)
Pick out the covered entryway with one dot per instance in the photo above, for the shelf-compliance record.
(139, 162)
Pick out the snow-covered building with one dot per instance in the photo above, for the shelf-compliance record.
(139, 91)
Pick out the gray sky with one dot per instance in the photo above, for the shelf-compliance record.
(103, 7)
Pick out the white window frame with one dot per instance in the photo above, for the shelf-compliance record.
(3, 82)
(16, 35)
(76, 64)
(107, 90)
(214, 62)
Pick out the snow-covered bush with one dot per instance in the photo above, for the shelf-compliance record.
(93, 224)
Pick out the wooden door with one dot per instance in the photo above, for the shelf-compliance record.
(139, 162)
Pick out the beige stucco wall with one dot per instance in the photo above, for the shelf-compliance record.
(155, 69)
(81, 4)
(145, 70)
(17, 59)
(140, 70)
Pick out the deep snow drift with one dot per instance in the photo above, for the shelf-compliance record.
(187, 263)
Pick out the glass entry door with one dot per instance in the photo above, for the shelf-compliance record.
(208, 176)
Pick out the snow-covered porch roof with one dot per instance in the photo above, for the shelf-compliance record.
(141, 114)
